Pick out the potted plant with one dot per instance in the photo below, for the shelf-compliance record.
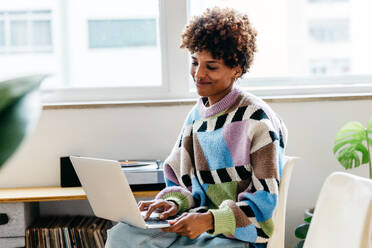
(19, 111)
(352, 149)
(352, 145)
(301, 232)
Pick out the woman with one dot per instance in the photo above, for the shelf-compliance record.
(222, 175)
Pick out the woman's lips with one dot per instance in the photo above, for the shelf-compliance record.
(201, 84)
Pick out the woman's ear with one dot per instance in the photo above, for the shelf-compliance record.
(238, 72)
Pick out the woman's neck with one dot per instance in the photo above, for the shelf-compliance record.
(215, 98)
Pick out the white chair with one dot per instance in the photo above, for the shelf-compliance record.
(343, 213)
(277, 238)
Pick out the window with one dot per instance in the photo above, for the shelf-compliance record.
(122, 33)
(112, 44)
(2, 33)
(303, 43)
(329, 30)
(330, 66)
(129, 50)
(17, 31)
(41, 33)
(91, 44)
(26, 32)
(26, 40)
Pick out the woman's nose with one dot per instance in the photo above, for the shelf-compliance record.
(199, 73)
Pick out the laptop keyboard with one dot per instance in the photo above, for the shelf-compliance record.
(154, 220)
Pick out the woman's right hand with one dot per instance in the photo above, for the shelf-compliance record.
(167, 208)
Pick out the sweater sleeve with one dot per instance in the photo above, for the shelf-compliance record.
(175, 192)
(250, 217)
(177, 189)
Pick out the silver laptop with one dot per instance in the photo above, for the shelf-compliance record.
(109, 193)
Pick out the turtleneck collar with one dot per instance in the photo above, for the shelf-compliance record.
(219, 106)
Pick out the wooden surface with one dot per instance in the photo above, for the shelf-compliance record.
(39, 194)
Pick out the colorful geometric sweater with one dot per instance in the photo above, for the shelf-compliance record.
(228, 160)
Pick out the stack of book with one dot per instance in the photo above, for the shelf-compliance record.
(68, 231)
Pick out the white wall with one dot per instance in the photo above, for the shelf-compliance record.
(135, 131)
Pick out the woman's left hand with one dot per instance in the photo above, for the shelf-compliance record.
(191, 225)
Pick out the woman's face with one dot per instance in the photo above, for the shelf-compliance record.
(213, 79)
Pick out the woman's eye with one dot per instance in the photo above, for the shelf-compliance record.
(195, 63)
(211, 68)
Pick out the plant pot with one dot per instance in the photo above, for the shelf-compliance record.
(308, 213)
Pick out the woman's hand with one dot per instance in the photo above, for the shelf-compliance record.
(167, 208)
(191, 225)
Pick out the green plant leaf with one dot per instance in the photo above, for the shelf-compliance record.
(341, 144)
(300, 244)
(16, 121)
(11, 90)
(351, 127)
(356, 136)
(365, 155)
(301, 231)
(19, 114)
(340, 138)
(345, 157)
(349, 145)
(345, 151)
(356, 160)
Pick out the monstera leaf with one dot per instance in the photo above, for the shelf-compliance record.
(19, 111)
(352, 145)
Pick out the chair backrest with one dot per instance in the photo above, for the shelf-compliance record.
(277, 238)
(343, 213)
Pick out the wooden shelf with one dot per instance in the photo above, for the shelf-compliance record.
(39, 194)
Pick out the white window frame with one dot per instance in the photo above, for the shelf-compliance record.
(176, 80)
(174, 60)
(28, 17)
(2, 19)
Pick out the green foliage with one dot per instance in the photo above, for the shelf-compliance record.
(300, 244)
(301, 232)
(352, 145)
(19, 111)
(308, 219)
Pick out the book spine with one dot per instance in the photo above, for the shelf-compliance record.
(67, 232)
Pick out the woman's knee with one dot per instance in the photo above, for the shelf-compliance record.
(119, 235)
(124, 235)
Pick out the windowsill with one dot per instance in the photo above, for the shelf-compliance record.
(177, 102)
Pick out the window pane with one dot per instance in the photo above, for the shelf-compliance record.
(44, 11)
(305, 38)
(41, 33)
(122, 33)
(85, 43)
(330, 66)
(328, 30)
(18, 33)
(2, 33)
(28, 45)
(113, 43)
(17, 13)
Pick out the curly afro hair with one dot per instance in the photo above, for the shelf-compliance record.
(225, 33)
